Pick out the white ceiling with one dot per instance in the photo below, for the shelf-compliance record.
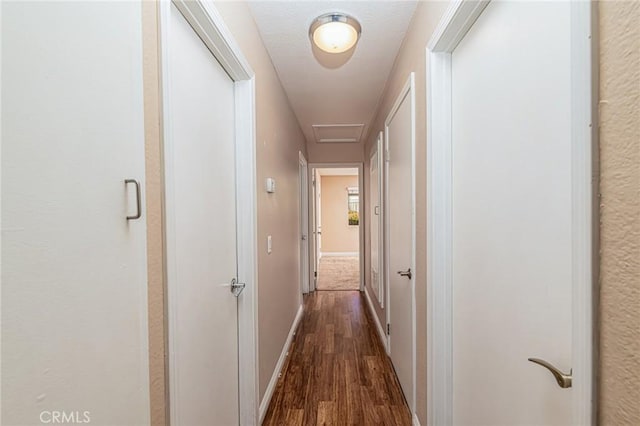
(327, 89)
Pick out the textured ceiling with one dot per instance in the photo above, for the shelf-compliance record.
(327, 89)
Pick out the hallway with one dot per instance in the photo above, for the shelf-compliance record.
(337, 371)
(299, 212)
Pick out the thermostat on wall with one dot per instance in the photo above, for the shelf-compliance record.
(271, 185)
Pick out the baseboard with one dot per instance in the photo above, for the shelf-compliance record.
(340, 254)
(416, 420)
(381, 333)
(264, 404)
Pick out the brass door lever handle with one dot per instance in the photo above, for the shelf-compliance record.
(564, 380)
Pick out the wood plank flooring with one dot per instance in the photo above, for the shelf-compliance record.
(337, 371)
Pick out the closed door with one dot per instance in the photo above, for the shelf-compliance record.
(374, 226)
(74, 289)
(304, 225)
(512, 210)
(201, 230)
(318, 217)
(399, 234)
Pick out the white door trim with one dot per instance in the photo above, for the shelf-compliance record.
(407, 90)
(304, 220)
(314, 253)
(210, 27)
(360, 167)
(453, 26)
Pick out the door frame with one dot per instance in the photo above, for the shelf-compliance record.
(457, 20)
(311, 172)
(304, 223)
(206, 21)
(380, 164)
(407, 90)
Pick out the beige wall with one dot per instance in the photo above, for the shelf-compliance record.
(279, 139)
(337, 234)
(410, 58)
(620, 213)
(335, 152)
(153, 210)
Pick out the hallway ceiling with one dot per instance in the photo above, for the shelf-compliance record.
(328, 92)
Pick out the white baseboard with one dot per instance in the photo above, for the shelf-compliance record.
(340, 254)
(416, 421)
(381, 333)
(264, 404)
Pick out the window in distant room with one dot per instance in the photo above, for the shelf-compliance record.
(353, 200)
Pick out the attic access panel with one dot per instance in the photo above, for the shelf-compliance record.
(337, 133)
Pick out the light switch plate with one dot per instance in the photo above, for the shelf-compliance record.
(269, 246)
(270, 185)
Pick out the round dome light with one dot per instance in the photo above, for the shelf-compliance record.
(335, 32)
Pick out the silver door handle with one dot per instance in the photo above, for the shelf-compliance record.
(236, 287)
(406, 273)
(138, 201)
(564, 380)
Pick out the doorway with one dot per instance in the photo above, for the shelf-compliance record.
(510, 215)
(210, 218)
(337, 229)
(303, 197)
(400, 237)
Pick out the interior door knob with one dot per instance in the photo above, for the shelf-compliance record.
(406, 273)
(564, 380)
(236, 287)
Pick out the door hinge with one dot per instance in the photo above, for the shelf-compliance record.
(388, 329)
(315, 274)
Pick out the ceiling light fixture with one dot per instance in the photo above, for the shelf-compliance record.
(335, 32)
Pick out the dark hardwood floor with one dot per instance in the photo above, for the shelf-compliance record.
(337, 371)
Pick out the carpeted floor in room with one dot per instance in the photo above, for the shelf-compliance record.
(339, 273)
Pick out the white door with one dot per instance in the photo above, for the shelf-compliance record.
(201, 230)
(304, 224)
(399, 234)
(318, 219)
(74, 289)
(374, 226)
(512, 206)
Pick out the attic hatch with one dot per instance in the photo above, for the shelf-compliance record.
(337, 133)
